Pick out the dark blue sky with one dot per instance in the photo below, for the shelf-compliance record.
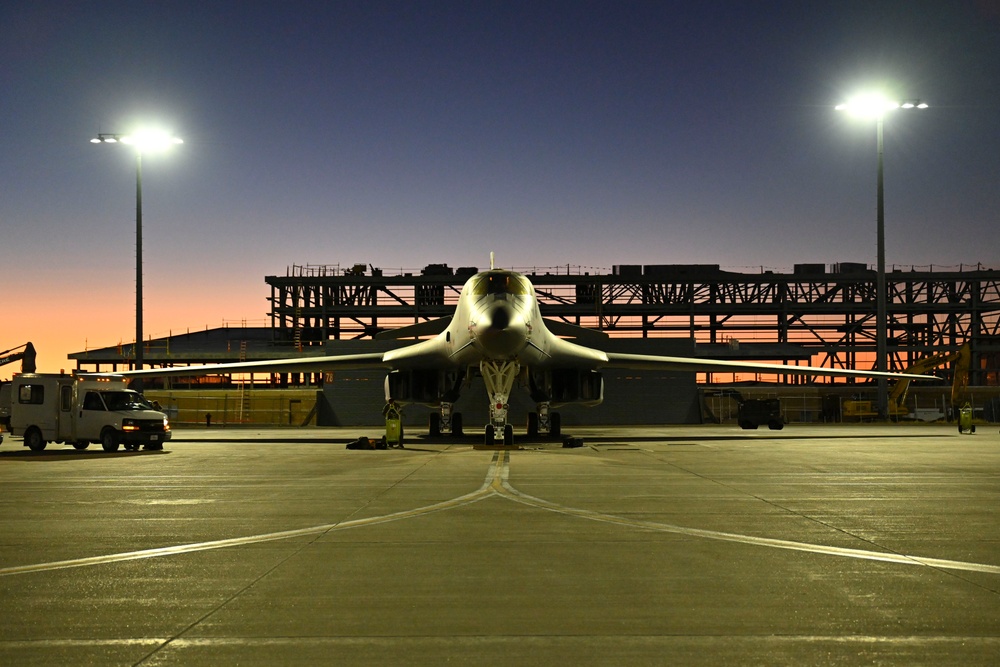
(408, 133)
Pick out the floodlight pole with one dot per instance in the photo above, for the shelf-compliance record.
(138, 261)
(881, 315)
(112, 138)
(138, 142)
(877, 106)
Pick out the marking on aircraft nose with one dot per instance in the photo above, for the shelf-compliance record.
(497, 483)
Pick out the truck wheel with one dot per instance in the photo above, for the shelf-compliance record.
(33, 439)
(109, 440)
(81, 444)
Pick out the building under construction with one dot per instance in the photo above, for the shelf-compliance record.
(816, 315)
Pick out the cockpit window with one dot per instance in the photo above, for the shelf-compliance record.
(500, 282)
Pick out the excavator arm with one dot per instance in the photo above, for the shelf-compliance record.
(962, 359)
(23, 353)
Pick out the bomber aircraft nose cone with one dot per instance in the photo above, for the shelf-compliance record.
(501, 331)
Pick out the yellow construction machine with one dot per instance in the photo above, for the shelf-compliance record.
(962, 358)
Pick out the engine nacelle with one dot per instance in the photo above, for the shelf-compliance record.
(567, 385)
(428, 387)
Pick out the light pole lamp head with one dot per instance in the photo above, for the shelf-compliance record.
(875, 106)
(144, 141)
(868, 106)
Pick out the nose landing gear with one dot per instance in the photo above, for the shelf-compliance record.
(499, 377)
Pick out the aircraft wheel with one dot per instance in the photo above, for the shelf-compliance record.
(81, 444)
(508, 435)
(434, 425)
(109, 440)
(488, 439)
(33, 439)
(532, 425)
(456, 425)
(555, 425)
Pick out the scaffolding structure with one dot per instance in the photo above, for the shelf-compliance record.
(827, 314)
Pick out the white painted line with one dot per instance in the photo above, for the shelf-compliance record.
(484, 491)
(497, 484)
(903, 559)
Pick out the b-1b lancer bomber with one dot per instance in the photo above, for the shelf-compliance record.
(498, 332)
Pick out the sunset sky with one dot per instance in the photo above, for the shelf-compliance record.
(408, 133)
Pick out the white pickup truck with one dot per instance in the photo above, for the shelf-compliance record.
(81, 409)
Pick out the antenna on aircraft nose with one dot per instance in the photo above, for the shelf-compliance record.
(491, 260)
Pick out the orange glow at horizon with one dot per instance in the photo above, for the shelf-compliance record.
(80, 319)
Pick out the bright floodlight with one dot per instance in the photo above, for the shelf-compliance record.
(144, 142)
(868, 106)
(149, 140)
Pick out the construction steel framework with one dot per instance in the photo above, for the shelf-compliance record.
(830, 315)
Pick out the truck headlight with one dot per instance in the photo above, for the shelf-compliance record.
(166, 424)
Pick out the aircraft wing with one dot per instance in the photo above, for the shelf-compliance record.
(428, 328)
(560, 328)
(694, 365)
(291, 365)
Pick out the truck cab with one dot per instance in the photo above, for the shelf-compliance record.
(81, 409)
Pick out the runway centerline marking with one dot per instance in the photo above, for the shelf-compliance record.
(497, 484)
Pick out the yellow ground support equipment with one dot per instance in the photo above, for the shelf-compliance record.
(965, 424)
(962, 358)
(393, 426)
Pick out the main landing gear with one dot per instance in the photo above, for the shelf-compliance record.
(446, 420)
(544, 422)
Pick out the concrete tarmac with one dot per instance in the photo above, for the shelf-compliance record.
(699, 545)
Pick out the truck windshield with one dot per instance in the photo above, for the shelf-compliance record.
(125, 400)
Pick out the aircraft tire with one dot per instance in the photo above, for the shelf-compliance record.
(33, 439)
(434, 425)
(508, 435)
(532, 425)
(488, 439)
(456, 425)
(555, 425)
